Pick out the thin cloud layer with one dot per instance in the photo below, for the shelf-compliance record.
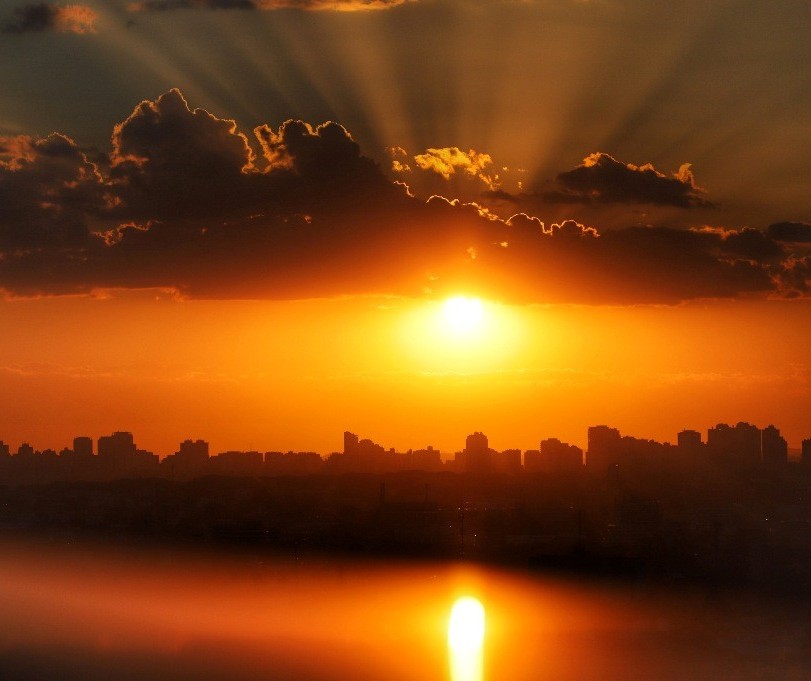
(186, 201)
(308, 5)
(43, 17)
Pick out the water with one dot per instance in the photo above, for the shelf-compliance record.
(90, 612)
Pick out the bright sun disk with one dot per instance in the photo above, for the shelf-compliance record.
(463, 315)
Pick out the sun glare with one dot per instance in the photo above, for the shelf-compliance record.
(463, 315)
(461, 334)
(466, 639)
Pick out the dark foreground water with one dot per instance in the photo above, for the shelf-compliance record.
(91, 613)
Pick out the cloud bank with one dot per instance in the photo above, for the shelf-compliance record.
(186, 201)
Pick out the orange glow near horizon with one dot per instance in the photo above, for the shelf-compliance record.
(461, 335)
(466, 639)
(273, 375)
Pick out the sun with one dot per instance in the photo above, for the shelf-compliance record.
(463, 315)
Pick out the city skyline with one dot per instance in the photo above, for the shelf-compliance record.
(734, 437)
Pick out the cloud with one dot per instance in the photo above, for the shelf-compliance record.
(48, 191)
(185, 201)
(169, 161)
(796, 232)
(309, 5)
(398, 162)
(601, 179)
(41, 17)
(446, 161)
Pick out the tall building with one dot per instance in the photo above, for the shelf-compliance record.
(477, 455)
(25, 450)
(117, 447)
(690, 449)
(558, 457)
(350, 443)
(604, 448)
(805, 457)
(775, 447)
(689, 440)
(83, 446)
(738, 446)
(508, 461)
(477, 442)
(193, 451)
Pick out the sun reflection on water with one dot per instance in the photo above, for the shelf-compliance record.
(466, 640)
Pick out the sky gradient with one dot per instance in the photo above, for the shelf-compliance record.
(238, 220)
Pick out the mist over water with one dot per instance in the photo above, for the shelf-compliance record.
(91, 612)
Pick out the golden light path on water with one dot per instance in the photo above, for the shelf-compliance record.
(466, 640)
(79, 612)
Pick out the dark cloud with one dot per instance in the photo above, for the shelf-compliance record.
(188, 202)
(601, 179)
(746, 243)
(48, 192)
(326, 154)
(37, 18)
(171, 162)
(796, 232)
(309, 5)
(569, 262)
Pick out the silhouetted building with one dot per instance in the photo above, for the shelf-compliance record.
(738, 446)
(237, 463)
(190, 461)
(350, 443)
(25, 451)
(532, 461)
(604, 448)
(775, 448)
(554, 456)
(690, 449)
(805, 455)
(4, 449)
(689, 440)
(360, 455)
(509, 461)
(610, 452)
(118, 457)
(193, 450)
(476, 457)
(477, 442)
(83, 446)
(427, 459)
(116, 448)
(558, 457)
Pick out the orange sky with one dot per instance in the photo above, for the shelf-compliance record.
(294, 375)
